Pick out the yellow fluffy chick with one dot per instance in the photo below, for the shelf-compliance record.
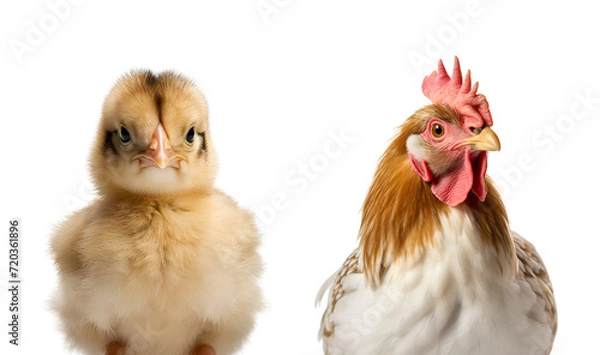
(162, 262)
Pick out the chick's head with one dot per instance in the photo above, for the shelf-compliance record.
(153, 137)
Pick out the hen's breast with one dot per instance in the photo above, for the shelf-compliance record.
(450, 299)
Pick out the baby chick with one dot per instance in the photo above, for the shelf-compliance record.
(162, 262)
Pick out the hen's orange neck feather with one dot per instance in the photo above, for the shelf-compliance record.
(401, 214)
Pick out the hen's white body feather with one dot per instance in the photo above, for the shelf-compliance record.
(451, 299)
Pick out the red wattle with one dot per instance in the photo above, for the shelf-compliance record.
(479, 169)
(454, 186)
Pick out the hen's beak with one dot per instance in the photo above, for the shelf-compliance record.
(159, 154)
(486, 140)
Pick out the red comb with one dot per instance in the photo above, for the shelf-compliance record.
(459, 95)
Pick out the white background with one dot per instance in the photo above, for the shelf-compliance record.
(279, 85)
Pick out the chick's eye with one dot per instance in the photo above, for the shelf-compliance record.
(124, 135)
(437, 130)
(189, 137)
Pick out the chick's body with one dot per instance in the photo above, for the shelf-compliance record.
(162, 262)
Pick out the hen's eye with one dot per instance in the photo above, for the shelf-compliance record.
(437, 130)
(189, 137)
(124, 135)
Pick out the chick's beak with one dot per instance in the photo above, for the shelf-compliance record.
(159, 154)
(486, 140)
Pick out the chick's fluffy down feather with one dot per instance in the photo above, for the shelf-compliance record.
(184, 275)
(158, 272)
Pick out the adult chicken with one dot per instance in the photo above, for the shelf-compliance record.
(162, 262)
(438, 270)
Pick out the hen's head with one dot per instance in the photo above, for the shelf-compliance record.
(441, 148)
(448, 143)
(153, 137)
